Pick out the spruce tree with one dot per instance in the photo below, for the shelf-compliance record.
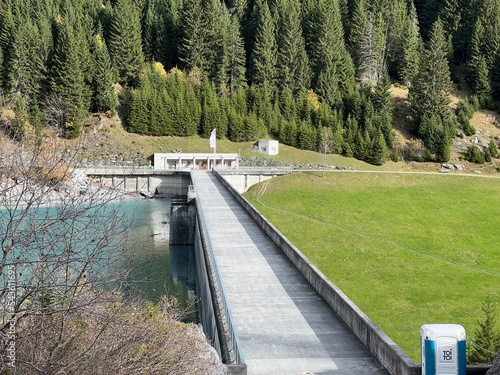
(7, 44)
(20, 126)
(395, 22)
(236, 54)
(378, 150)
(83, 46)
(24, 66)
(371, 50)
(332, 64)
(192, 48)
(411, 49)
(486, 340)
(150, 30)
(493, 149)
(104, 95)
(67, 77)
(217, 24)
(384, 106)
(359, 19)
(431, 89)
(168, 33)
(489, 16)
(475, 53)
(495, 77)
(212, 115)
(451, 16)
(125, 42)
(263, 58)
(427, 15)
(293, 63)
(481, 84)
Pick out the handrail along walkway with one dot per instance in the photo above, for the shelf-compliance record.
(237, 356)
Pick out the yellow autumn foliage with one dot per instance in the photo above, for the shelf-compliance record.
(313, 100)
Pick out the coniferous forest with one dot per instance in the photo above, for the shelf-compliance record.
(314, 74)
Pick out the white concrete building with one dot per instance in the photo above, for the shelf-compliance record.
(269, 146)
(182, 160)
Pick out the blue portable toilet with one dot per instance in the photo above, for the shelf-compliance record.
(443, 349)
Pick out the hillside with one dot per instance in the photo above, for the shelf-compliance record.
(105, 141)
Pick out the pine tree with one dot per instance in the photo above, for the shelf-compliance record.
(104, 95)
(263, 58)
(125, 42)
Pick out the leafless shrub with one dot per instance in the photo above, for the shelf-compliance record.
(113, 337)
(62, 249)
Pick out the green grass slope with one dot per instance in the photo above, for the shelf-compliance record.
(408, 249)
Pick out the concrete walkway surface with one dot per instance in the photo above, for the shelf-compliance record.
(284, 327)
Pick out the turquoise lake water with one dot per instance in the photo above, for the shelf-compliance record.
(154, 268)
(158, 268)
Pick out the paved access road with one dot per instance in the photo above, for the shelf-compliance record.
(284, 327)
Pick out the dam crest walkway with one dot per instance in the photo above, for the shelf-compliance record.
(284, 326)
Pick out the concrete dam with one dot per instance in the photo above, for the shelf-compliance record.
(265, 307)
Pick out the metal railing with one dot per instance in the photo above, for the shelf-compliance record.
(231, 329)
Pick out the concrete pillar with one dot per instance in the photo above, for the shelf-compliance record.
(182, 223)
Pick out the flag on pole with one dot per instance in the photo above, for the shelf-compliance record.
(213, 137)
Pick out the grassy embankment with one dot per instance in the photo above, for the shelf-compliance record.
(113, 136)
(408, 249)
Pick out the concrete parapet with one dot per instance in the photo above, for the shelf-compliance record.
(204, 292)
(214, 310)
(243, 179)
(381, 346)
